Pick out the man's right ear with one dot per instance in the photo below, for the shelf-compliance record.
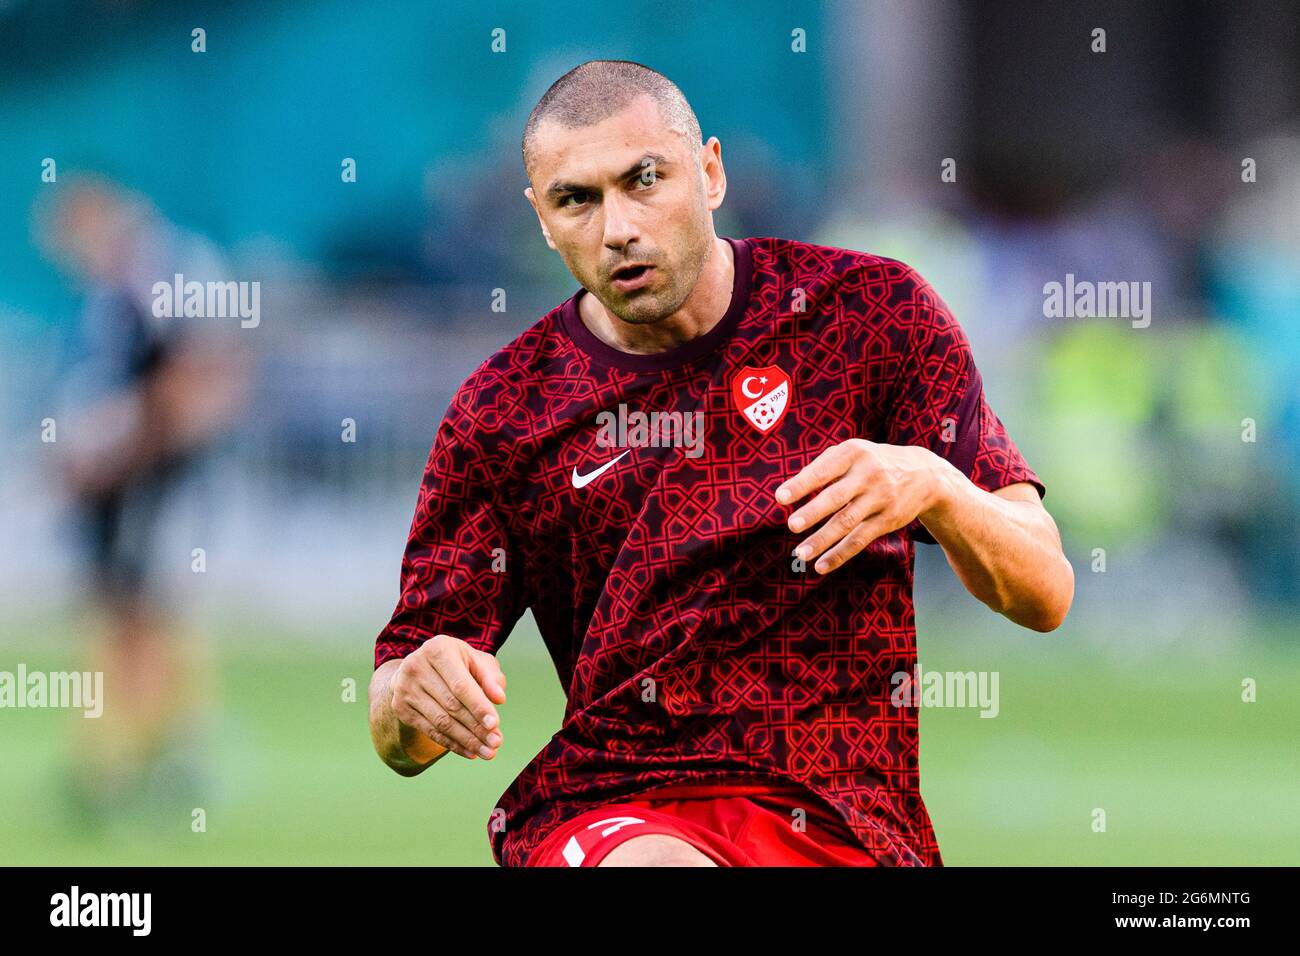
(532, 201)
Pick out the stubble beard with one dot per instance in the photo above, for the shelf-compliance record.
(645, 309)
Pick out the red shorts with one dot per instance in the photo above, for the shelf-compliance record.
(732, 824)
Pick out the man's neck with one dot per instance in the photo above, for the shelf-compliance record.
(702, 310)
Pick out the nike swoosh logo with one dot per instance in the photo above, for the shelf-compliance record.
(581, 480)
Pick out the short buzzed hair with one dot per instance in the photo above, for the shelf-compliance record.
(597, 89)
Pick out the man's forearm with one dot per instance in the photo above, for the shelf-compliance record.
(403, 748)
(1006, 552)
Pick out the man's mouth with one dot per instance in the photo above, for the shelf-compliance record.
(631, 276)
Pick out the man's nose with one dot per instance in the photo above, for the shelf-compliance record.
(621, 227)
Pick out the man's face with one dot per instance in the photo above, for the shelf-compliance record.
(86, 233)
(626, 191)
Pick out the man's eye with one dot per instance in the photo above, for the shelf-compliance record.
(565, 200)
(648, 177)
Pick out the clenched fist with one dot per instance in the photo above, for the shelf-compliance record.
(446, 691)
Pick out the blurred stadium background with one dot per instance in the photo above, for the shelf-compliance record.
(376, 302)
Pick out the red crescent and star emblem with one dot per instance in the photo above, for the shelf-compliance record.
(761, 395)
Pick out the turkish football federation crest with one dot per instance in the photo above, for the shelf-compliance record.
(762, 395)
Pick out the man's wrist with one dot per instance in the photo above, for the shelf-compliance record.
(944, 486)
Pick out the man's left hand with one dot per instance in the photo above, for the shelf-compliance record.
(866, 490)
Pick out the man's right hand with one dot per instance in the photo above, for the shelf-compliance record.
(445, 692)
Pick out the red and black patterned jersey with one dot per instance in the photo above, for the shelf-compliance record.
(691, 644)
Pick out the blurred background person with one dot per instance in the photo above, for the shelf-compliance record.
(148, 396)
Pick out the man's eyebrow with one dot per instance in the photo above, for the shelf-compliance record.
(649, 159)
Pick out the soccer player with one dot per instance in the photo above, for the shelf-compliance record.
(725, 615)
(148, 399)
